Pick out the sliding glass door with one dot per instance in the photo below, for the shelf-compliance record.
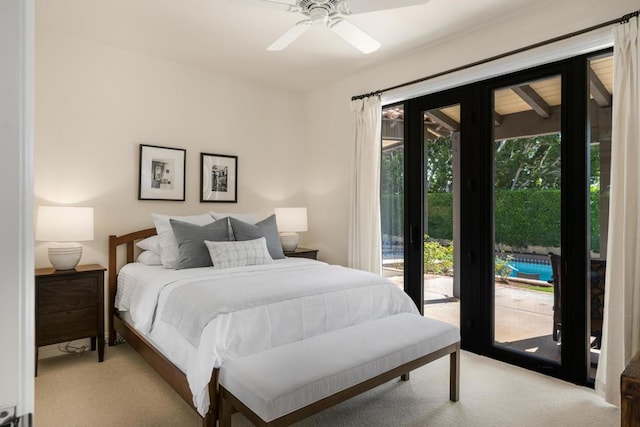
(499, 231)
(436, 129)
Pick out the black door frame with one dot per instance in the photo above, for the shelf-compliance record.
(476, 213)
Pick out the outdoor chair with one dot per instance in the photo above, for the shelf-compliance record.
(598, 270)
(556, 280)
(597, 275)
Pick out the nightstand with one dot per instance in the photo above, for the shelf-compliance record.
(302, 253)
(70, 306)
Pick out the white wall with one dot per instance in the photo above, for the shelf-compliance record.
(329, 123)
(16, 261)
(95, 104)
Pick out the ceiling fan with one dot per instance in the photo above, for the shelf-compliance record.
(331, 13)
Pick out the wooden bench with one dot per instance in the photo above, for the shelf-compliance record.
(285, 384)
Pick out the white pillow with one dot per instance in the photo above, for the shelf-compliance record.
(149, 258)
(238, 254)
(168, 243)
(150, 244)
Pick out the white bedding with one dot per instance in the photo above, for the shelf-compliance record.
(259, 307)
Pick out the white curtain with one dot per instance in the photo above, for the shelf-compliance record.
(365, 252)
(621, 331)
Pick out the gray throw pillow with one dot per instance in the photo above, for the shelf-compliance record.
(192, 251)
(266, 228)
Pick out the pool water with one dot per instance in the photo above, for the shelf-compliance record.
(541, 268)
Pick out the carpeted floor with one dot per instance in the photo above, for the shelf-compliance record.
(124, 391)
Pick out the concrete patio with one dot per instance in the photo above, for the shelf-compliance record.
(523, 317)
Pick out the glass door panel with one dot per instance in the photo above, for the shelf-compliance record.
(441, 141)
(527, 217)
(392, 194)
(600, 71)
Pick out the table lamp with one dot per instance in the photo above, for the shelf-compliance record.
(290, 222)
(64, 226)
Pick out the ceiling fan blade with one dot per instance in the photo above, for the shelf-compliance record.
(287, 38)
(363, 6)
(354, 35)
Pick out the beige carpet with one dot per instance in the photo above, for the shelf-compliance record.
(124, 391)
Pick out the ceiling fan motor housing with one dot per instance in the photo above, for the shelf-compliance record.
(319, 11)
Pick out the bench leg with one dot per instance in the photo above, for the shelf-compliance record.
(225, 409)
(454, 375)
(405, 377)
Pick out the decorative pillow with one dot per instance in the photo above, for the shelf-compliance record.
(150, 244)
(266, 228)
(192, 252)
(250, 218)
(238, 254)
(149, 258)
(168, 243)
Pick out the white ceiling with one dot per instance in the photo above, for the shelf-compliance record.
(230, 36)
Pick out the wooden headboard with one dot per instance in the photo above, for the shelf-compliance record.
(114, 241)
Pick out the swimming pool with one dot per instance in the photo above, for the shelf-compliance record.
(542, 268)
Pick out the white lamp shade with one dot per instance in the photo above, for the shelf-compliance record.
(291, 219)
(64, 224)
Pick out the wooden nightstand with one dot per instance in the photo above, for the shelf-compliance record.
(302, 253)
(70, 306)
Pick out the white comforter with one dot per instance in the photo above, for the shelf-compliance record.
(241, 311)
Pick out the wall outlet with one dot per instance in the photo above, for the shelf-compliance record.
(7, 415)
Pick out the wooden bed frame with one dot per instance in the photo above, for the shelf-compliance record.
(167, 370)
(174, 376)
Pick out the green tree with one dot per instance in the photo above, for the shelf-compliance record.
(523, 163)
(392, 171)
(439, 165)
(392, 191)
(594, 169)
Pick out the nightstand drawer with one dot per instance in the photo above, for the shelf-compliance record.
(70, 294)
(67, 325)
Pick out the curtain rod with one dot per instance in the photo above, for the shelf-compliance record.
(623, 20)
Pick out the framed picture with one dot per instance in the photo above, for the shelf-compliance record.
(218, 178)
(162, 172)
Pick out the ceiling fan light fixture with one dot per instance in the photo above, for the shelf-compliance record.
(319, 15)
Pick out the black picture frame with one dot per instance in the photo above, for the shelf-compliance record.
(161, 174)
(218, 178)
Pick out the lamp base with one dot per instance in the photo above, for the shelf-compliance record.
(65, 257)
(289, 241)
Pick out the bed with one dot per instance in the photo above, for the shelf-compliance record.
(187, 323)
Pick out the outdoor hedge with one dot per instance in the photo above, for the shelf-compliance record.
(523, 217)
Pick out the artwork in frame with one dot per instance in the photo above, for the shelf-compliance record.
(162, 173)
(218, 178)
